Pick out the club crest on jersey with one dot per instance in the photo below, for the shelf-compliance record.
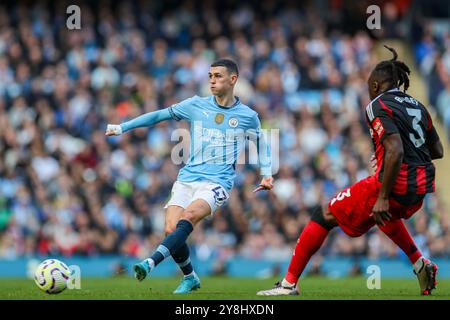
(219, 118)
(378, 127)
(233, 122)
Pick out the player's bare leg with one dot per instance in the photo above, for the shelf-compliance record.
(189, 217)
(197, 211)
(310, 240)
(173, 215)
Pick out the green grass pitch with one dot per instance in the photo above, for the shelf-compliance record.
(222, 288)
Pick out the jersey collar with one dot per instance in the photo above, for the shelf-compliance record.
(226, 108)
(392, 90)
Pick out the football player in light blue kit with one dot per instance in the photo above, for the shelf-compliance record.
(219, 126)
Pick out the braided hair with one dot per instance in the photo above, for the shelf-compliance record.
(394, 71)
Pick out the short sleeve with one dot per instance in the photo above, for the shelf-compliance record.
(183, 109)
(254, 130)
(432, 136)
(381, 119)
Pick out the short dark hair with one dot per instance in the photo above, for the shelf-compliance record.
(394, 71)
(230, 65)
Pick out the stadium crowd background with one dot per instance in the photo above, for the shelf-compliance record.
(67, 189)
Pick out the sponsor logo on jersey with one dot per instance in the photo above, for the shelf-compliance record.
(219, 118)
(378, 127)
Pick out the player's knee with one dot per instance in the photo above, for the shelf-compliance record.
(189, 215)
(324, 218)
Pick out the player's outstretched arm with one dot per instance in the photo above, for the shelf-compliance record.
(145, 120)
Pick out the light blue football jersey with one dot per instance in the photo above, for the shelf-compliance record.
(218, 136)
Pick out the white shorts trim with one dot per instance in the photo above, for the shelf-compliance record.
(184, 193)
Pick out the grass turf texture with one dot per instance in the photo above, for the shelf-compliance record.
(221, 288)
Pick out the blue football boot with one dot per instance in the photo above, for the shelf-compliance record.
(141, 270)
(188, 284)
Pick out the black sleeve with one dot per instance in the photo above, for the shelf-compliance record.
(432, 136)
(381, 119)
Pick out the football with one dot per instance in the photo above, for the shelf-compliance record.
(51, 276)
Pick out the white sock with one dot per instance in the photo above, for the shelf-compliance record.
(418, 264)
(287, 284)
(151, 263)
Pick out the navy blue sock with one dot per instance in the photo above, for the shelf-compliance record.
(173, 241)
(181, 257)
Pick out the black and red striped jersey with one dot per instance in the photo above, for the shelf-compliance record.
(397, 112)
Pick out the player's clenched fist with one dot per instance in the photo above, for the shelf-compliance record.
(113, 130)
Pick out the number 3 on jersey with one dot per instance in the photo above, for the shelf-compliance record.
(341, 196)
(417, 116)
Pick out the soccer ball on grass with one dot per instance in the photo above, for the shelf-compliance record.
(51, 276)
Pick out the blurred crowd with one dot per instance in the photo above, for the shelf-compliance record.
(432, 53)
(67, 189)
